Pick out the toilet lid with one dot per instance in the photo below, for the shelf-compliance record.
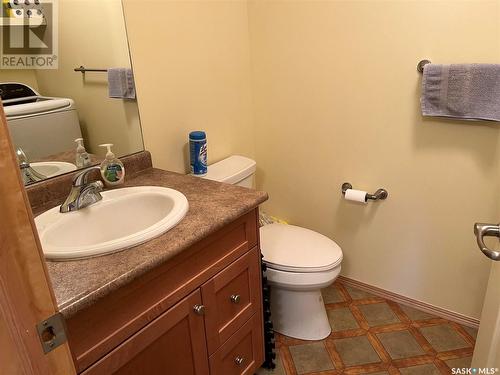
(295, 249)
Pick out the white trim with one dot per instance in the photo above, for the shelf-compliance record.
(423, 306)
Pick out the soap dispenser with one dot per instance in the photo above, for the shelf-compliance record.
(82, 159)
(112, 169)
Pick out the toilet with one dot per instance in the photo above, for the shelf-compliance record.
(300, 262)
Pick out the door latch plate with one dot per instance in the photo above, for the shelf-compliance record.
(52, 332)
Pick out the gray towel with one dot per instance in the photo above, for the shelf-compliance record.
(121, 83)
(462, 91)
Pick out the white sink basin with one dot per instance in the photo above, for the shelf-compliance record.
(53, 168)
(123, 218)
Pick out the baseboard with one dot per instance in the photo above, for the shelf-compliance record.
(423, 306)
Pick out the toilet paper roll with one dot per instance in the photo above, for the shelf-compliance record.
(355, 195)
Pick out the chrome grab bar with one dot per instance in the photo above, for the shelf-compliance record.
(482, 230)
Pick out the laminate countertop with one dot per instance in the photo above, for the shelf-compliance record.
(80, 283)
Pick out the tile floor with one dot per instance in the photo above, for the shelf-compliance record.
(371, 335)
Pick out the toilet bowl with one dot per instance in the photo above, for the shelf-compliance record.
(300, 262)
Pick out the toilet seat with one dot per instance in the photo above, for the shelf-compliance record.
(283, 268)
(302, 280)
(294, 249)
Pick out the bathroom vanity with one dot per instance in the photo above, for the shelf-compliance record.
(186, 302)
(200, 310)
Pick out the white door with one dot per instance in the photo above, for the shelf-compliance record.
(487, 350)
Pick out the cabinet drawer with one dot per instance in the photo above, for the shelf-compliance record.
(231, 297)
(243, 353)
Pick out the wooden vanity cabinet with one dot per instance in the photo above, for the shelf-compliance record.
(199, 313)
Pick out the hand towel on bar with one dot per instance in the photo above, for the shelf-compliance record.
(462, 91)
(121, 83)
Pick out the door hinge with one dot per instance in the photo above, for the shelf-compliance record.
(52, 332)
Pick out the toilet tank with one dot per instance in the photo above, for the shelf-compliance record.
(235, 170)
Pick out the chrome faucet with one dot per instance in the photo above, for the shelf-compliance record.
(28, 174)
(82, 193)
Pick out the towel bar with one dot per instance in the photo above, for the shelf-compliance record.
(83, 69)
(421, 64)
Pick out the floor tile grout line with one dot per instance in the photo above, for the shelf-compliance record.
(379, 347)
(370, 368)
(454, 354)
(413, 361)
(393, 371)
(442, 366)
(429, 322)
(287, 361)
(344, 292)
(368, 301)
(463, 333)
(334, 355)
(399, 312)
(393, 327)
(347, 334)
(422, 341)
(336, 305)
(326, 372)
(360, 318)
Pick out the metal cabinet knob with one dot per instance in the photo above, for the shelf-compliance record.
(235, 298)
(199, 309)
(239, 360)
(484, 230)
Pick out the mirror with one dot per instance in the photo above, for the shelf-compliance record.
(48, 109)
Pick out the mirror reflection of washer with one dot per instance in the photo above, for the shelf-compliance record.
(40, 125)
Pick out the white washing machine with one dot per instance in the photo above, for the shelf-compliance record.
(40, 125)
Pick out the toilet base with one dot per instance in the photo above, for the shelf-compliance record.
(299, 314)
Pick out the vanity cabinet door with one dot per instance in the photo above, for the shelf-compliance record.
(231, 298)
(173, 344)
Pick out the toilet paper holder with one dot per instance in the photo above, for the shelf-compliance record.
(379, 194)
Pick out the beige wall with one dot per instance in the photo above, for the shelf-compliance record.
(92, 33)
(192, 68)
(26, 76)
(337, 99)
(325, 92)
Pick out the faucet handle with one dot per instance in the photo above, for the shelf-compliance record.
(21, 157)
(82, 176)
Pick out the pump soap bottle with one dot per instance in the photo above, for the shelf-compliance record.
(82, 157)
(112, 169)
